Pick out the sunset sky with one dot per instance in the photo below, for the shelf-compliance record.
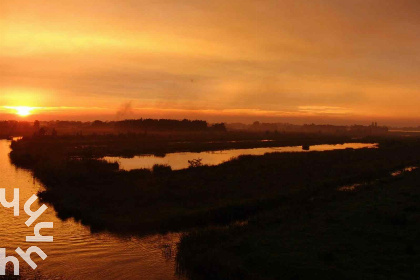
(326, 61)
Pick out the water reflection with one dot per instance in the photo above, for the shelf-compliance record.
(180, 160)
(76, 253)
(406, 169)
(349, 188)
(353, 187)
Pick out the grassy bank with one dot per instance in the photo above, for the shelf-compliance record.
(369, 233)
(99, 195)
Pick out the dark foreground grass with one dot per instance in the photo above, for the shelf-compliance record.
(370, 233)
(99, 195)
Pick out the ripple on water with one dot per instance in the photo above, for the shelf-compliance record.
(76, 253)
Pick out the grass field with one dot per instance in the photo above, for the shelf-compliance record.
(369, 233)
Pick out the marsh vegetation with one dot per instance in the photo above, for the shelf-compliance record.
(102, 196)
(298, 223)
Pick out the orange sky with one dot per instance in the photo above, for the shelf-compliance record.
(291, 60)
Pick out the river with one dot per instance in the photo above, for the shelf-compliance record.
(76, 253)
(180, 160)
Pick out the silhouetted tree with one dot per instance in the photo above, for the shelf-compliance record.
(195, 163)
(42, 131)
(36, 125)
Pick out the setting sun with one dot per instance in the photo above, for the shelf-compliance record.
(23, 111)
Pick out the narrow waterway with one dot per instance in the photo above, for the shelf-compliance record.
(180, 160)
(76, 253)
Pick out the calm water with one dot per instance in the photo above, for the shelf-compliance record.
(180, 160)
(76, 253)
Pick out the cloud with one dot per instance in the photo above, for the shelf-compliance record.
(125, 111)
(324, 110)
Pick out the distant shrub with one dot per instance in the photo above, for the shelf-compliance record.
(161, 169)
(195, 163)
(140, 172)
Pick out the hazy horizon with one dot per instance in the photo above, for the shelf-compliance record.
(219, 119)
